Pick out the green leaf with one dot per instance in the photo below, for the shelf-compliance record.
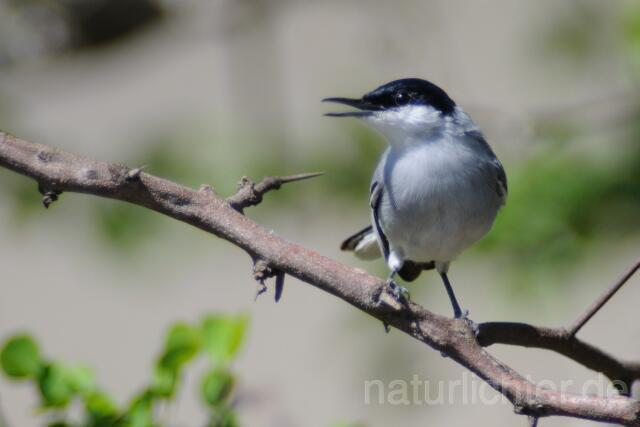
(100, 405)
(182, 344)
(217, 386)
(140, 412)
(124, 225)
(81, 379)
(224, 417)
(55, 385)
(20, 357)
(164, 381)
(223, 336)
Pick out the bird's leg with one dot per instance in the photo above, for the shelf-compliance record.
(395, 262)
(457, 313)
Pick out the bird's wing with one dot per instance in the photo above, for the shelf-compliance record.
(494, 163)
(502, 187)
(370, 242)
(364, 244)
(375, 198)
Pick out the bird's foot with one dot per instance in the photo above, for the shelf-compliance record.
(400, 293)
(474, 326)
(464, 315)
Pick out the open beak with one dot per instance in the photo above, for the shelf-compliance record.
(366, 109)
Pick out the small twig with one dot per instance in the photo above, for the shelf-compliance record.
(262, 288)
(134, 174)
(261, 272)
(250, 193)
(602, 300)
(279, 285)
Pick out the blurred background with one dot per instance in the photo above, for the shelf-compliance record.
(208, 91)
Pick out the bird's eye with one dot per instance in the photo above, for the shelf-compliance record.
(401, 98)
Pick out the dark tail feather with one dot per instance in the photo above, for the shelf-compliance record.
(351, 242)
(410, 270)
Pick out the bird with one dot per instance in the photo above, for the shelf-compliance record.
(437, 187)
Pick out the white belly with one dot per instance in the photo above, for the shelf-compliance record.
(437, 201)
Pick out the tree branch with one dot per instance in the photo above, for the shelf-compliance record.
(602, 300)
(58, 171)
(250, 194)
(559, 340)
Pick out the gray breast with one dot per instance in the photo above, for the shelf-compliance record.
(438, 198)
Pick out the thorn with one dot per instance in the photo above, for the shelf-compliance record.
(245, 181)
(262, 288)
(279, 285)
(206, 188)
(249, 193)
(300, 177)
(134, 174)
(387, 329)
(533, 421)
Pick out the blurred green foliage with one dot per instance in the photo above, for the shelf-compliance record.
(561, 203)
(179, 157)
(630, 35)
(21, 357)
(574, 34)
(216, 337)
(348, 175)
(125, 225)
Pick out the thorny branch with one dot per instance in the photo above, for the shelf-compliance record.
(57, 171)
(250, 194)
(602, 300)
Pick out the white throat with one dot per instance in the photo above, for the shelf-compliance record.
(418, 123)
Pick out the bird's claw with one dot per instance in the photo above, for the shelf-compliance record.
(400, 293)
(464, 315)
(474, 326)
